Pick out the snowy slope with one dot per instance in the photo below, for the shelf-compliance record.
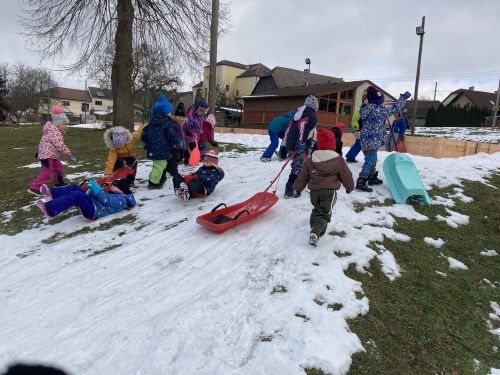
(173, 298)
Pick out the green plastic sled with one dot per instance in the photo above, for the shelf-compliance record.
(403, 179)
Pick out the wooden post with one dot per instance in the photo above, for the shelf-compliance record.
(212, 83)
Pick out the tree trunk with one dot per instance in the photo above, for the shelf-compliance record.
(121, 75)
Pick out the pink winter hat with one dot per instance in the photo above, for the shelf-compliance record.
(58, 116)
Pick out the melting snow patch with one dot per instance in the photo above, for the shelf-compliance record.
(455, 219)
(489, 253)
(435, 243)
(494, 371)
(441, 274)
(389, 265)
(456, 264)
(6, 216)
(443, 201)
(489, 283)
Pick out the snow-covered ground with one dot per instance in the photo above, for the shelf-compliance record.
(172, 298)
(487, 135)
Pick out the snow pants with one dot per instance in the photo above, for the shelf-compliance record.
(368, 168)
(323, 201)
(49, 167)
(275, 140)
(63, 198)
(354, 150)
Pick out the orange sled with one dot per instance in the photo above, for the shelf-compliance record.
(219, 221)
(106, 181)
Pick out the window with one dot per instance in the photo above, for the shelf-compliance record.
(237, 93)
(98, 102)
(346, 109)
(65, 103)
(227, 87)
(85, 107)
(323, 104)
(328, 103)
(100, 94)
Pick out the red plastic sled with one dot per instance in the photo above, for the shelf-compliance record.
(219, 221)
(106, 181)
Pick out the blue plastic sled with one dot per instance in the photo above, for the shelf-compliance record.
(403, 179)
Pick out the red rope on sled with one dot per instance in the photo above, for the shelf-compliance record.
(281, 171)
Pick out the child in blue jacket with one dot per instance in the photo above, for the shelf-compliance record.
(93, 204)
(396, 133)
(160, 138)
(276, 130)
(202, 182)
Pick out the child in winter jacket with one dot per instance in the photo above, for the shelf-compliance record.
(202, 182)
(93, 204)
(207, 135)
(276, 129)
(298, 140)
(122, 148)
(51, 145)
(396, 133)
(357, 125)
(159, 138)
(373, 134)
(324, 172)
(194, 123)
(177, 152)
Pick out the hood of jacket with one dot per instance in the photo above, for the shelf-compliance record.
(108, 137)
(322, 160)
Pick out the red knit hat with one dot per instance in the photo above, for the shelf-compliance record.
(326, 140)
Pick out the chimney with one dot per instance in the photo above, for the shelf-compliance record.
(471, 88)
(306, 73)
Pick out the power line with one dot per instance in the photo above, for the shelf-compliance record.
(427, 78)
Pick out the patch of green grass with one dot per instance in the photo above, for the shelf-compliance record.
(233, 147)
(313, 371)
(18, 146)
(265, 338)
(335, 306)
(87, 229)
(177, 223)
(304, 317)
(105, 250)
(423, 323)
(279, 289)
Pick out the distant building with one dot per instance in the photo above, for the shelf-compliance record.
(423, 107)
(102, 99)
(72, 100)
(338, 100)
(471, 97)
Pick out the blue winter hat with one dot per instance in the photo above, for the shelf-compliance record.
(161, 105)
(201, 104)
(374, 95)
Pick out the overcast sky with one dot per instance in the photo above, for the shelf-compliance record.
(366, 39)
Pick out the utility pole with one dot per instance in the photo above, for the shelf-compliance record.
(308, 71)
(212, 85)
(85, 104)
(145, 100)
(496, 106)
(435, 89)
(420, 31)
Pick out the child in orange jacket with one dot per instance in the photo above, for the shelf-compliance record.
(122, 148)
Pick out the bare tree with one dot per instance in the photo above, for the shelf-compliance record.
(93, 26)
(158, 67)
(27, 86)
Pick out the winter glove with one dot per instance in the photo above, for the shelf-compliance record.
(406, 95)
(94, 189)
(301, 147)
(72, 157)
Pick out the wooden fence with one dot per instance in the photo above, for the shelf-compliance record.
(423, 146)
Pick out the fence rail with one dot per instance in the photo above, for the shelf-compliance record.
(423, 146)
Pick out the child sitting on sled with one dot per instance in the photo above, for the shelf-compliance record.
(202, 182)
(122, 148)
(324, 172)
(93, 204)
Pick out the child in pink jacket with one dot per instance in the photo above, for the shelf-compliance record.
(51, 145)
